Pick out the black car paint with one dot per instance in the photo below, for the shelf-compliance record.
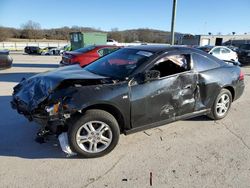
(40, 86)
(244, 53)
(32, 50)
(158, 100)
(135, 103)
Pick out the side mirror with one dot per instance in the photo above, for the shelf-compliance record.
(147, 76)
(139, 78)
(151, 75)
(211, 53)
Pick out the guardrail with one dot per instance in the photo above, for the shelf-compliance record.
(17, 46)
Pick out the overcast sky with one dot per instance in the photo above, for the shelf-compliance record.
(193, 16)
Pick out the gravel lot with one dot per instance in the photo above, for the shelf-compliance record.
(192, 153)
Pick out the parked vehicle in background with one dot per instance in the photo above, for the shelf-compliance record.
(112, 42)
(129, 90)
(5, 59)
(221, 52)
(32, 50)
(50, 51)
(54, 51)
(244, 53)
(65, 48)
(86, 55)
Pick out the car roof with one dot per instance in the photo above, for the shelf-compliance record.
(206, 46)
(221, 47)
(158, 48)
(103, 46)
(168, 48)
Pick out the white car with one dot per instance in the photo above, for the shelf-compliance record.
(221, 52)
(50, 51)
(112, 42)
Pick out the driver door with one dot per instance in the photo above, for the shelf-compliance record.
(166, 97)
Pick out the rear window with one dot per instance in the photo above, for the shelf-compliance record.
(203, 63)
(85, 49)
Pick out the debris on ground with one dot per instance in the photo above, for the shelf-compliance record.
(64, 143)
(146, 133)
(151, 179)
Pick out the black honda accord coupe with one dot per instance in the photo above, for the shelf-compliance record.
(129, 90)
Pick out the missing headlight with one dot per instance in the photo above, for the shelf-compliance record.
(53, 110)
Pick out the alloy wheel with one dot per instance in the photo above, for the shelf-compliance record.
(222, 105)
(94, 136)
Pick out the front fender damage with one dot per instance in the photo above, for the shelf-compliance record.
(53, 107)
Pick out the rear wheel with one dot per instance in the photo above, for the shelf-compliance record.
(221, 105)
(94, 134)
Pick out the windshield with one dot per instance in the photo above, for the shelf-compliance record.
(245, 47)
(119, 64)
(85, 49)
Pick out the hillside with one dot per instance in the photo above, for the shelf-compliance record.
(142, 35)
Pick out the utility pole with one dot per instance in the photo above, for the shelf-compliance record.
(173, 21)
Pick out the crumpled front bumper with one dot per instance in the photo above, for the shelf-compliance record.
(21, 107)
(28, 96)
(39, 116)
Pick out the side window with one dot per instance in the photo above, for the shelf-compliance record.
(225, 51)
(101, 52)
(216, 51)
(203, 63)
(172, 64)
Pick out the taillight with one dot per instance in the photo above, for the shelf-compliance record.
(241, 75)
(73, 59)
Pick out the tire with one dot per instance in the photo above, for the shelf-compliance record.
(221, 105)
(94, 134)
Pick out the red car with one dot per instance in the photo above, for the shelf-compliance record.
(86, 55)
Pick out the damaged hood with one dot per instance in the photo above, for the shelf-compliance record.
(36, 89)
(67, 72)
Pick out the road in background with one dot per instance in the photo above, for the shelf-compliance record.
(192, 153)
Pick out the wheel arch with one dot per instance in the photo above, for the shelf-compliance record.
(112, 110)
(231, 89)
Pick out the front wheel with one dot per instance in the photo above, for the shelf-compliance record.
(221, 105)
(94, 134)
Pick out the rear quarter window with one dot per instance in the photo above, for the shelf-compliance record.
(203, 63)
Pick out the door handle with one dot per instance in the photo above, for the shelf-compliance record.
(188, 86)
